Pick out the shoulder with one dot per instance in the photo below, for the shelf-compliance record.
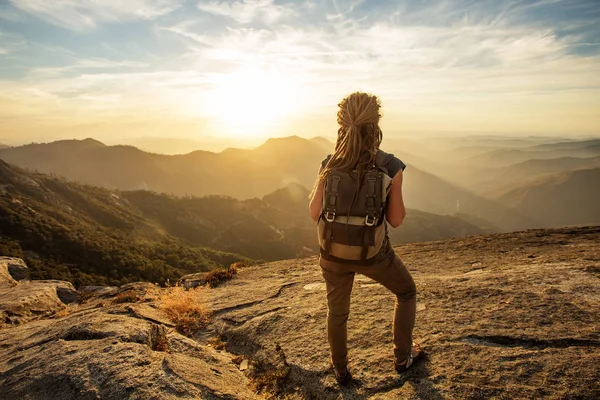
(325, 161)
(390, 162)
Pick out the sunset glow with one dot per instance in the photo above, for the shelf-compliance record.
(257, 68)
(251, 102)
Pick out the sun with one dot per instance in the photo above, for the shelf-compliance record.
(251, 102)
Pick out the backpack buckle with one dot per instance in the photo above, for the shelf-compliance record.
(329, 216)
(370, 222)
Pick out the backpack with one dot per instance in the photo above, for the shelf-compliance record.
(354, 232)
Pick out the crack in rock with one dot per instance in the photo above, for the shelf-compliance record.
(235, 322)
(528, 343)
(255, 302)
(136, 314)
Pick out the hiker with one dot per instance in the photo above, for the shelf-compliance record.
(359, 186)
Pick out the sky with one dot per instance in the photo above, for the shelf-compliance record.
(249, 69)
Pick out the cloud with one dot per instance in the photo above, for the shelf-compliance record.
(87, 14)
(82, 65)
(454, 63)
(246, 11)
(10, 43)
(8, 14)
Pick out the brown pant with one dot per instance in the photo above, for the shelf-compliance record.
(392, 274)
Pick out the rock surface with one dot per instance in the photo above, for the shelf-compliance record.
(12, 270)
(108, 354)
(31, 300)
(191, 281)
(98, 291)
(500, 317)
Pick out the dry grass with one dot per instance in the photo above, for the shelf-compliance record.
(215, 277)
(129, 296)
(186, 309)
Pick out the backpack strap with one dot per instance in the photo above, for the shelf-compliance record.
(328, 235)
(331, 200)
(371, 194)
(329, 209)
(369, 229)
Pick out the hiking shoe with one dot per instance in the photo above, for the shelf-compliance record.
(416, 353)
(342, 379)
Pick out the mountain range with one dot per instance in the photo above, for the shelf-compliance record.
(238, 173)
(93, 235)
(462, 177)
(569, 198)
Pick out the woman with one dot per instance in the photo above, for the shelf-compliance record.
(357, 149)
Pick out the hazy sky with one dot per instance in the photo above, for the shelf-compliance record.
(128, 68)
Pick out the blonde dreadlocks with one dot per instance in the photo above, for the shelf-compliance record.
(359, 136)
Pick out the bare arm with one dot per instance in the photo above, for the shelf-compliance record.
(395, 210)
(316, 203)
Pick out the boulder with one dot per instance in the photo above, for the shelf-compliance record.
(16, 268)
(191, 281)
(12, 270)
(33, 300)
(111, 353)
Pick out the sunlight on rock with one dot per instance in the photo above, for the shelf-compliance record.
(315, 287)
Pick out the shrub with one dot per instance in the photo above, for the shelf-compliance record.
(186, 309)
(129, 296)
(218, 276)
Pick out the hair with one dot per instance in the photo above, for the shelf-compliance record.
(359, 136)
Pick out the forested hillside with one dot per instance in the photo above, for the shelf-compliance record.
(87, 234)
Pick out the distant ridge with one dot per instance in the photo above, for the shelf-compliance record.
(128, 168)
(505, 157)
(567, 145)
(570, 198)
(325, 143)
(239, 173)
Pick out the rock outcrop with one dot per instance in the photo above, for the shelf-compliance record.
(12, 270)
(112, 354)
(502, 316)
(22, 300)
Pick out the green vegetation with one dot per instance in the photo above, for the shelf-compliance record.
(90, 236)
